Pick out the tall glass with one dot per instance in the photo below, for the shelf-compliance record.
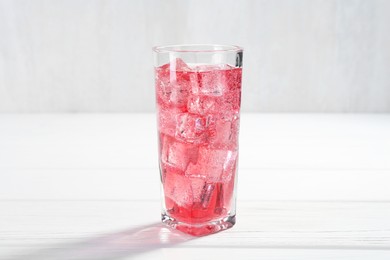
(198, 94)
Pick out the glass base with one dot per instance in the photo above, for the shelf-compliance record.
(201, 229)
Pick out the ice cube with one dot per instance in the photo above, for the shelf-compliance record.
(226, 133)
(163, 86)
(176, 64)
(177, 154)
(167, 169)
(197, 186)
(178, 188)
(193, 128)
(223, 134)
(179, 65)
(183, 190)
(202, 191)
(173, 84)
(209, 81)
(179, 95)
(213, 165)
(202, 105)
(207, 193)
(228, 103)
(210, 201)
(167, 121)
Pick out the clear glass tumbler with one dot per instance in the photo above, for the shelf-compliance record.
(198, 94)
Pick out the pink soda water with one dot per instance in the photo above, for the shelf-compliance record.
(198, 123)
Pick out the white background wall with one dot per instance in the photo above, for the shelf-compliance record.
(95, 56)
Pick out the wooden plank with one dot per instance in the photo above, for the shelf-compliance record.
(127, 229)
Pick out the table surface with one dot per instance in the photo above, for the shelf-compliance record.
(86, 186)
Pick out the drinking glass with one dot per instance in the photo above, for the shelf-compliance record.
(198, 96)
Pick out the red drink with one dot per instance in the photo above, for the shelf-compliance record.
(198, 123)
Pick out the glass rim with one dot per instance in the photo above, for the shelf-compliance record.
(196, 48)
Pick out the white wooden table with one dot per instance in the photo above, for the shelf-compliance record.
(86, 186)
